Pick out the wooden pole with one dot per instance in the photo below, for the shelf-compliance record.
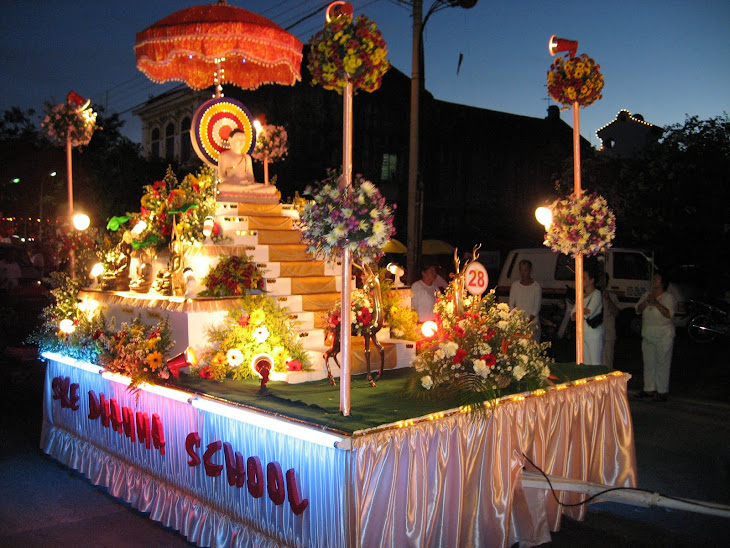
(578, 191)
(345, 184)
(70, 190)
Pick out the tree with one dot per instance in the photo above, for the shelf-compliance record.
(671, 197)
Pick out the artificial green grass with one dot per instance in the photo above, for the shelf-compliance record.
(318, 402)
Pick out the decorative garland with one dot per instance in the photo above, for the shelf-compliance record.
(67, 119)
(357, 220)
(348, 50)
(271, 144)
(581, 225)
(577, 79)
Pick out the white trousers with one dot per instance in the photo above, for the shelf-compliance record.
(592, 345)
(656, 349)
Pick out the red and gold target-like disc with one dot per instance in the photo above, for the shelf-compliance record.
(212, 124)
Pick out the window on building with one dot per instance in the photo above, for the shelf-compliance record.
(186, 146)
(389, 167)
(155, 143)
(170, 142)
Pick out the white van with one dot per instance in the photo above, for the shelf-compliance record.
(629, 275)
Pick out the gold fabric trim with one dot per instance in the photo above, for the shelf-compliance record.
(319, 301)
(288, 252)
(265, 210)
(313, 284)
(296, 269)
(277, 237)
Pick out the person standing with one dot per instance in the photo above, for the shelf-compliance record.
(593, 329)
(657, 308)
(526, 294)
(424, 293)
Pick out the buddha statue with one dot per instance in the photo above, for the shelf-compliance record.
(235, 174)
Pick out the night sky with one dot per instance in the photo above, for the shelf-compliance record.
(662, 59)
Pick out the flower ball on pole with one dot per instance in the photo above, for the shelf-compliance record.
(574, 81)
(347, 55)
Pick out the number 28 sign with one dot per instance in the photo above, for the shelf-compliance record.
(477, 278)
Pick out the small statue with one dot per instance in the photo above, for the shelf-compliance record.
(143, 281)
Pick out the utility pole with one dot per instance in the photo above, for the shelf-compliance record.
(415, 184)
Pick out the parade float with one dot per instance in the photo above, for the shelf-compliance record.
(192, 378)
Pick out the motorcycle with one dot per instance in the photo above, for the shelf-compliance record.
(708, 321)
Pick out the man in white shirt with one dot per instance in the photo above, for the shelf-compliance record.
(424, 294)
(526, 294)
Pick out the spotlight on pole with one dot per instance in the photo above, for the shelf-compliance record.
(556, 45)
(544, 216)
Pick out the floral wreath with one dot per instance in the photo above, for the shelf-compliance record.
(271, 144)
(67, 119)
(233, 276)
(356, 219)
(576, 79)
(348, 50)
(582, 224)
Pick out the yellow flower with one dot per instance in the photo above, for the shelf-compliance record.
(257, 317)
(154, 360)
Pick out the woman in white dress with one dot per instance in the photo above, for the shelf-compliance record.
(593, 337)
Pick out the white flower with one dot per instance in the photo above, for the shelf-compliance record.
(545, 373)
(449, 348)
(503, 307)
(481, 369)
(234, 357)
(427, 382)
(518, 372)
(261, 334)
(368, 188)
(502, 324)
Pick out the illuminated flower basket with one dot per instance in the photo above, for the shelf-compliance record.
(357, 220)
(477, 355)
(581, 225)
(348, 49)
(233, 276)
(575, 80)
(68, 120)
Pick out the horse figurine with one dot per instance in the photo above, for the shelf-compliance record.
(371, 285)
(460, 279)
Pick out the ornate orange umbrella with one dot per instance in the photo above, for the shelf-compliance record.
(215, 44)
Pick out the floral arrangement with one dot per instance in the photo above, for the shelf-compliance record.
(481, 353)
(138, 351)
(403, 322)
(233, 276)
(581, 225)
(361, 313)
(575, 80)
(348, 50)
(185, 205)
(83, 342)
(257, 326)
(357, 220)
(271, 144)
(67, 120)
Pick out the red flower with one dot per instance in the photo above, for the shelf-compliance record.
(205, 372)
(243, 320)
(459, 332)
(489, 359)
(460, 355)
(489, 334)
(216, 229)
